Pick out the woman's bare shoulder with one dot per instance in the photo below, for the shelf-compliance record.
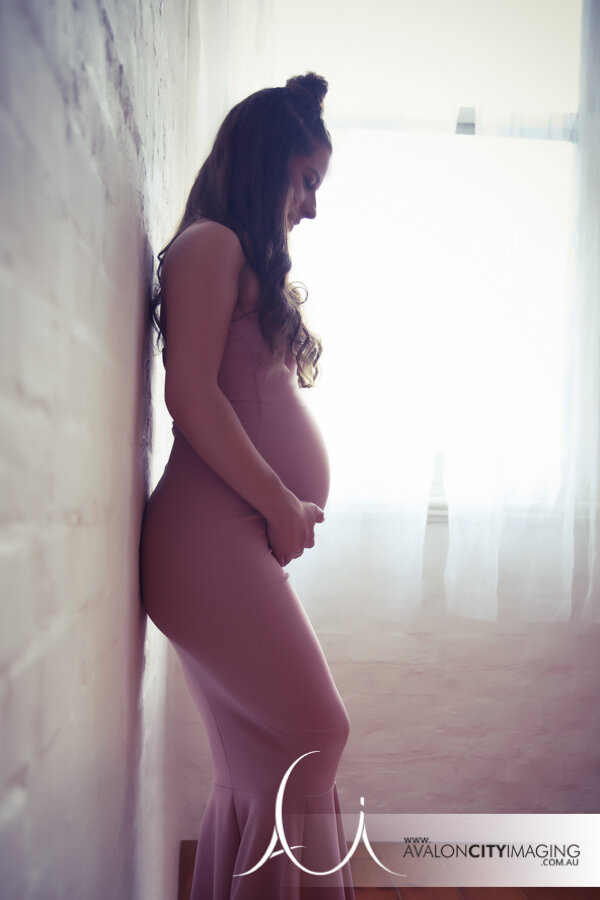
(205, 241)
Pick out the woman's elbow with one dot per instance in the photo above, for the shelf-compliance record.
(191, 399)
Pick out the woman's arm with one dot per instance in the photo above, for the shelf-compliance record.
(200, 279)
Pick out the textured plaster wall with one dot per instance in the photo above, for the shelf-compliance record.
(95, 115)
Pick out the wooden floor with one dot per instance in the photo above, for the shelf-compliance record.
(187, 854)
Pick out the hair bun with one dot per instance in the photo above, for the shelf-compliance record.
(310, 89)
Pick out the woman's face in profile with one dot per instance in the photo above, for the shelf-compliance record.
(306, 176)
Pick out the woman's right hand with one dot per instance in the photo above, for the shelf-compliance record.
(292, 528)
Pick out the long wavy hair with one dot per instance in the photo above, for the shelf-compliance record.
(243, 184)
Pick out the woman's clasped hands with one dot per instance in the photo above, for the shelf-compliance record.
(291, 529)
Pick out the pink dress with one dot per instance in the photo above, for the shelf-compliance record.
(248, 652)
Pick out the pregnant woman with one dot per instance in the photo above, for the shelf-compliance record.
(244, 487)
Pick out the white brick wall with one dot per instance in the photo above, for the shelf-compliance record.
(94, 126)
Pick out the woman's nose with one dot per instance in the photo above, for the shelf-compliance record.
(310, 208)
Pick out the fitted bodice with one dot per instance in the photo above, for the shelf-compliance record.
(271, 407)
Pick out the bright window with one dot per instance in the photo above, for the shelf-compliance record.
(441, 284)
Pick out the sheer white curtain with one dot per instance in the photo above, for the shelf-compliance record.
(509, 520)
(456, 284)
(584, 334)
(523, 494)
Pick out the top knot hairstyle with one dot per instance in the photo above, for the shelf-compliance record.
(309, 93)
(243, 184)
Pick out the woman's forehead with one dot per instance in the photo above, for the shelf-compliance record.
(318, 160)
